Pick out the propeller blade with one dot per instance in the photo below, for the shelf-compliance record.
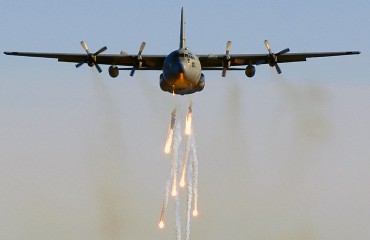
(84, 45)
(142, 46)
(273, 58)
(278, 68)
(91, 58)
(228, 46)
(98, 68)
(123, 53)
(267, 44)
(132, 73)
(224, 72)
(226, 59)
(138, 62)
(283, 52)
(80, 64)
(101, 50)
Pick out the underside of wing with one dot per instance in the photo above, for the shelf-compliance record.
(216, 61)
(154, 62)
(298, 57)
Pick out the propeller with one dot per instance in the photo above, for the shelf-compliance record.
(272, 57)
(226, 62)
(139, 60)
(91, 58)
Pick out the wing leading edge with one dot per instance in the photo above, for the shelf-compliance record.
(154, 62)
(208, 62)
(216, 61)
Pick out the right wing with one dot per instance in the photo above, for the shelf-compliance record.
(215, 61)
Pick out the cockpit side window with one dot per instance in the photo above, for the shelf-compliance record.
(175, 57)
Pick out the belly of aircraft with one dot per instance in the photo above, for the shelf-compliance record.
(183, 83)
(180, 84)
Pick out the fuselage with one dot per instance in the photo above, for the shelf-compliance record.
(182, 73)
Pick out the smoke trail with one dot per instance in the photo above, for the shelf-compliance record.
(188, 131)
(166, 196)
(175, 158)
(104, 152)
(165, 200)
(167, 148)
(188, 170)
(175, 174)
(195, 175)
(188, 121)
(185, 162)
(177, 217)
(169, 145)
(175, 161)
(190, 196)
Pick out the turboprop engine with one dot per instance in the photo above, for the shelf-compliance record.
(113, 71)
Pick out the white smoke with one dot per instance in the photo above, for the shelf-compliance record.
(185, 163)
(188, 171)
(189, 199)
(176, 163)
(194, 168)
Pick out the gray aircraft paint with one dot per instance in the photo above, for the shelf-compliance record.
(182, 69)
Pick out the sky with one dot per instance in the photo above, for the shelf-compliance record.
(280, 156)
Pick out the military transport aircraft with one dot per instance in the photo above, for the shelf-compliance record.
(181, 69)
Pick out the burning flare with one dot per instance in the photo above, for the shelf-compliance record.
(167, 148)
(188, 169)
(195, 212)
(161, 223)
(188, 121)
(174, 190)
(182, 181)
(169, 140)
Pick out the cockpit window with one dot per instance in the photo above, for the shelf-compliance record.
(187, 56)
(175, 57)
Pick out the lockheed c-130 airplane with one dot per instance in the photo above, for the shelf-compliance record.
(182, 69)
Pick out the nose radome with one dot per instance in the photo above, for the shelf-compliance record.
(181, 67)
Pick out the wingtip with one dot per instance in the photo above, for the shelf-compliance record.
(11, 53)
(354, 52)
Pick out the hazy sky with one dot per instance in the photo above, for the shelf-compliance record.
(282, 157)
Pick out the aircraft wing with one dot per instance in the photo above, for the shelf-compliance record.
(216, 61)
(208, 62)
(153, 62)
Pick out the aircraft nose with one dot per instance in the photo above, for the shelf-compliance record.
(181, 67)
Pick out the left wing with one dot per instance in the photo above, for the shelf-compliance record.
(154, 62)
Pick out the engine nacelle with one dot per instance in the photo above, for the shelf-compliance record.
(163, 84)
(113, 71)
(201, 83)
(250, 70)
(91, 60)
